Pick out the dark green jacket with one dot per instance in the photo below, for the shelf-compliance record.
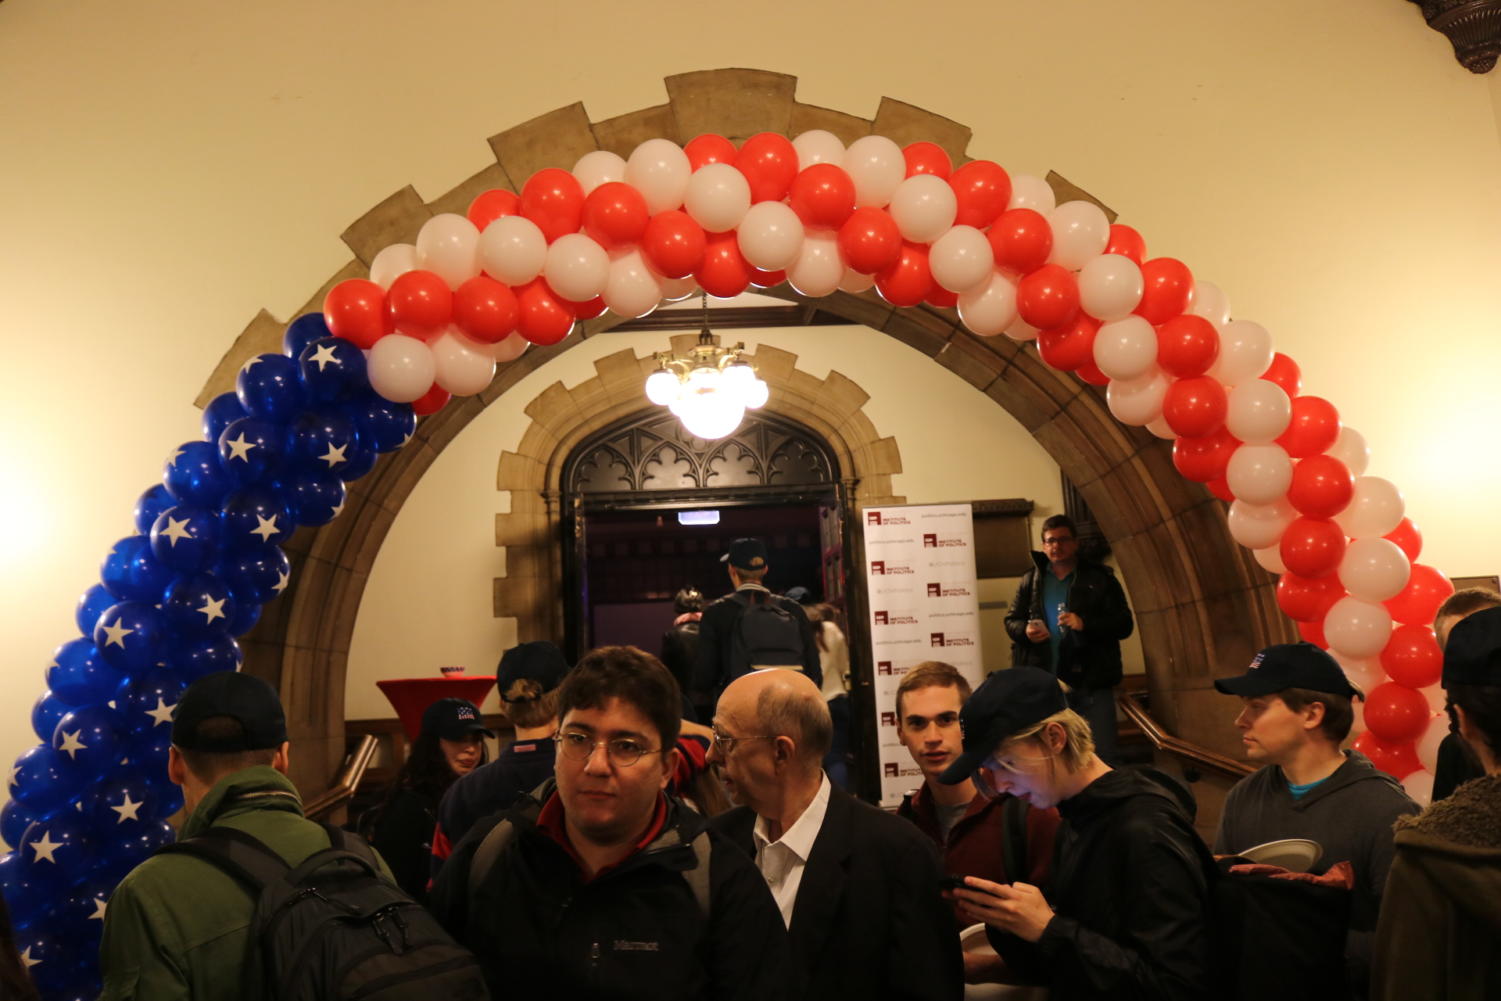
(176, 926)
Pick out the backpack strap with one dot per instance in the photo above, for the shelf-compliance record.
(236, 853)
(1014, 840)
(698, 876)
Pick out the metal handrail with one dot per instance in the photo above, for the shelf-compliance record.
(1131, 704)
(348, 781)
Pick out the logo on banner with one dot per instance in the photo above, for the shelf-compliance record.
(881, 618)
(883, 667)
(892, 770)
(930, 540)
(882, 518)
(936, 589)
(885, 568)
(888, 718)
(943, 639)
(884, 618)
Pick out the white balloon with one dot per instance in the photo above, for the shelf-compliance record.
(1351, 449)
(393, 262)
(989, 309)
(717, 198)
(461, 366)
(1258, 411)
(770, 235)
(961, 259)
(1375, 509)
(1031, 192)
(1021, 331)
(924, 207)
(1126, 348)
(818, 269)
(513, 250)
(1110, 287)
(1137, 401)
(1080, 233)
(1357, 628)
(448, 246)
(1374, 569)
(877, 166)
(818, 146)
(508, 348)
(855, 282)
(576, 268)
(632, 288)
(1365, 673)
(1210, 302)
(1270, 559)
(1245, 352)
(1160, 428)
(599, 167)
(675, 289)
(1259, 474)
(401, 368)
(1258, 526)
(659, 169)
(1419, 785)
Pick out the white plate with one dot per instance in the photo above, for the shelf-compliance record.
(1292, 854)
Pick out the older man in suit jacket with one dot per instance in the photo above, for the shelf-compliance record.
(858, 887)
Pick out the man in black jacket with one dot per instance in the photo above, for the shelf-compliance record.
(1069, 617)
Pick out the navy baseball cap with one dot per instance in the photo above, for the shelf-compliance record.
(1290, 665)
(454, 719)
(746, 554)
(538, 661)
(799, 594)
(246, 699)
(1473, 654)
(1008, 702)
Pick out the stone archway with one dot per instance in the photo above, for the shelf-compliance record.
(1201, 601)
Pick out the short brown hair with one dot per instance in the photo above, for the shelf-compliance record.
(1468, 601)
(209, 767)
(528, 705)
(1339, 714)
(931, 674)
(631, 675)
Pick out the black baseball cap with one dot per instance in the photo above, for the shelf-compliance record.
(453, 719)
(1473, 654)
(1008, 702)
(537, 660)
(1290, 665)
(746, 554)
(241, 697)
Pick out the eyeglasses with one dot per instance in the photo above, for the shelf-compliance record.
(623, 752)
(997, 767)
(724, 743)
(1059, 540)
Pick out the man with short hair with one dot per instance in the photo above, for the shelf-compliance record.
(1295, 714)
(602, 885)
(1456, 763)
(1069, 616)
(858, 888)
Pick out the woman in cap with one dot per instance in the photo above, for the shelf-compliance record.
(1126, 912)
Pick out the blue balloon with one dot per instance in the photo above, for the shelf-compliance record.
(318, 497)
(269, 387)
(40, 782)
(150, 504)
(207, 654)
(258, 574)
(247, 614)
(197, 603)
(45, 712)
(51, 961)
(186, 538)
(131, 635)
(256, 516)
(131, 573)
(132, 850)
(58, 847)
(332, 369)
(15, 817)
(87, 741)
(144, 704)
(123, 802)
(26, 897)
(194, 475)
(320, 442)
(360, 461)
(79, 916)
(93, 602)
(222, 411)
(301, 332)
(146, 757)
(252, 449)
(383, 426)
(79, 675)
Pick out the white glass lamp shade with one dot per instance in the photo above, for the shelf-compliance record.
(662, 387)
(757, 394)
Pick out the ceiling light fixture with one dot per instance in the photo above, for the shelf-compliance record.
(710, 388)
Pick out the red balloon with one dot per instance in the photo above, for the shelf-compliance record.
(767, 279)
(1126, 242)
(1187, 345)
(909, 280)
(1204, 459)
(983, 190)
(1412, 657)
(1313, 429)
(823, 196)
(1308, 599)
(1418, 602)
(1312, 547)
(485, 309)
(1407, 537)
(355, 309)
(615, 215)
(1396, 713)
(709, 148)
(1021, 240)
(1398, 760)
(1048, 297)
(554, 200)
(1313, 632)
(725, 273)
(420, 303)
(1069, 347)
(1285, 373)
(769, 163)
(430, 402)
(1195, 407)
(489, 206)
(1168, 291)
(1322, 486)
(927, 158)
(1090, 373)
(870, 240)
(544, 317)
(941, 297)
(1220, 487)
(586, 310)
(674, 244)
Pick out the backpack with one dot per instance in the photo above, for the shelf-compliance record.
(765, 635)
(334, 928)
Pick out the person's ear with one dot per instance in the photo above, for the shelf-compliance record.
(784, 750)
(1053, 738)
(670, 760)
(177, 767)
(283, 759)
(1313, 715)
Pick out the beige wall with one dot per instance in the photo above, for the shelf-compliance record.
(169, 167)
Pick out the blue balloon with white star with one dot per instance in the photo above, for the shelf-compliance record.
(60, 841)
(222, 411)
(186, 538)
(133, 849)
(317, 497)
(91, 605)
(195, 475)
(151, 503)
(301, 332)
(256, 516)
(48, 957)
(270, 387)
(122, 802)
(131, 573)
(26, 896)
(40, 781)
(144, 704)
(132, 635)
(147, 754)
(45, 712)
(79, 916)
(79, 675)
(87, 741)
(383, 426)
(217, 651)
(252, 450)
(257, 574)
(333, 370)
(197, 603)
(15, 817)
(359, 461)
(247, 614)
(320, 442)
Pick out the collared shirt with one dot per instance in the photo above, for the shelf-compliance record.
(782, 861)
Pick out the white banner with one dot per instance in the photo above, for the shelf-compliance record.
(924, 605)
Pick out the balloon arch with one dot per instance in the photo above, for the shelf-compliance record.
(435, 319)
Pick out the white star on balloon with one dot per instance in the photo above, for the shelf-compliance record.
(339, 510)
(405, 440)
(282, 580)
(15, 775)
(116, 634)
(212, 610)
(45, 848)
(71, 744)
(162, 713)
(129, 809)
(239, 448)
(265, 527)
(100, 905)
(325, 355)
(334, 455)
(176, 530)
(26, 958)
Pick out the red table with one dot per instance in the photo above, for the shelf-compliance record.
(412, 696)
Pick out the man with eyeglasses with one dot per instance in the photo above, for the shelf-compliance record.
(858, 888)
(601, 884)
